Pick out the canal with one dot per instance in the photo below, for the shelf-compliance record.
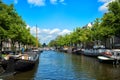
(62, 66)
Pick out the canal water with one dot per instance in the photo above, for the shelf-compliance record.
(63, 66)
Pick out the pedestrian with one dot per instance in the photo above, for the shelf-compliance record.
(22, 50)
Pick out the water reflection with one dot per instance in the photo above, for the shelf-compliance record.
(102, 71)
(61, 66)
(90, 69)
(28, 75)
(57, 66)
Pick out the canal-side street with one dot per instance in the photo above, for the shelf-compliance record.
(59, 40)
(62, 66)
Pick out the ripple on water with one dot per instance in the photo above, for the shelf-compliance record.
(61, 66)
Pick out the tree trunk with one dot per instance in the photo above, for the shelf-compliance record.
(19, 46)
(13, 46)
(1, 45)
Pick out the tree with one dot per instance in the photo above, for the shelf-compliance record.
(112, 18)
(13, 27)
(114, 9)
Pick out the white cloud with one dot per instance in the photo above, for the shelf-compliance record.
(28, 26)
(65, 31)
(43, 2)
(33, 30)
(15, 1)
(37, 2)
(54, 31)
(104, 0)
(63, 2)
(45, 38)
(104, 7)
(45, 35)
(53, 1)
(57, 1)
(46, 31)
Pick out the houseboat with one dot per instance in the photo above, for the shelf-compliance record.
(19, 62)
(95, 51)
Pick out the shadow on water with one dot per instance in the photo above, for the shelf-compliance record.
(9, 72)
(62, 66)
(88, 68)
(27, 75)
(6, 75)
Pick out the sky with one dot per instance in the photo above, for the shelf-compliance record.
(58, 17)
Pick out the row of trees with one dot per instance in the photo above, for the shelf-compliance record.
(13, 28)
(101, 30)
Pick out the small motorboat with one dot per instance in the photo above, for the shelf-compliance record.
(105, 59)
(110, 56)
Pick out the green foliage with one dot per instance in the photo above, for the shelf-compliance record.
(3, 34)
(102, 29)
(13, 27)
(112, 18)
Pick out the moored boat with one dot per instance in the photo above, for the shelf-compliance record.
(105, 59)
(77, 51)
(27, 62)
(110, 56)
(20, 62)
(36, 50)
(95, 51)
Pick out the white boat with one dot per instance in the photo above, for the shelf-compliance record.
(37, 50)
(110, 56)
(105, 59)
(95, 51)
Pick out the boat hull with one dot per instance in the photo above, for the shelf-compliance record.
(24, 65)
(93, 52)
(104, 59)
(20, 64)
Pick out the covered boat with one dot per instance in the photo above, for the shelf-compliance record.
(26, 62)
(95, 51)
(20, 62)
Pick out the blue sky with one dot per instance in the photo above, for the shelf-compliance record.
(58, 17)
